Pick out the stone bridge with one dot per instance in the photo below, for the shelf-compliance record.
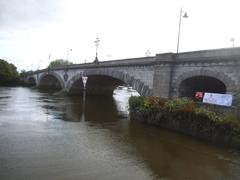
(166, 75)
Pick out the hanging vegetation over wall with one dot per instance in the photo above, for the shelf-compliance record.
(206, 122)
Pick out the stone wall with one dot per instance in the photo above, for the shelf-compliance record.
(159, 75)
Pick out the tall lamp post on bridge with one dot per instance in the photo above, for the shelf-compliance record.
(179, 27)
(233, 42)
(49, 62)
(38, 68)
(147, 53)
(178, 40)
(96, 44)
(68, 51)
(65, 76)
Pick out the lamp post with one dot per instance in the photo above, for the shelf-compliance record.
(49, 63)
(233, 42)
(38, 68)
(68, 49)
(147, 53)
(179, 27)
(66, 77)
(96, 44)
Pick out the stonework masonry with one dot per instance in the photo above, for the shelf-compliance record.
(160, 75)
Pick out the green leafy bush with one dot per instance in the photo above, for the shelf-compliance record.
(154, 102)
(232, 118)
(182, 108)
(136, 102)
(180, 105)
(182, 114)
(207, 114)
(59, 63)
(8, 72)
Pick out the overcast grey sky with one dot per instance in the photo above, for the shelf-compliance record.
(30, 30)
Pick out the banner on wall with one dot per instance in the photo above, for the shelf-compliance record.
(218, 99)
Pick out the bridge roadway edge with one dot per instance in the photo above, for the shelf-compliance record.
(162, 73)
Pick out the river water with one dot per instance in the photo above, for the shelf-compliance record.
(48, 137)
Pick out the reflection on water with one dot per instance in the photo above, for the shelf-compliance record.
(43, 136)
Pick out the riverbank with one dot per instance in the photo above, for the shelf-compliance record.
(186, 116)
(14, 84)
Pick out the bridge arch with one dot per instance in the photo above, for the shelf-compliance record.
(116, 77)
(31, 81)
(202, 80)
(51, 80)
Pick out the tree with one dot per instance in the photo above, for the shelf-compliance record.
(59, 63)
(8, 72)
(24, 73)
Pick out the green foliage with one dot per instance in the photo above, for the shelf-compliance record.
(180, 105)
(232, 118)
(24, 73)
(207, 114)
(8, 72)
(136, 102)
(184, 115)
(154, 102)
(182, 108)
(59, 63)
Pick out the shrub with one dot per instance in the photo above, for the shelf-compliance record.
(184, 109)
(154, 102)
(207, 114)
(180, 105)
(136, 102)
(232, 118)
(212, 123)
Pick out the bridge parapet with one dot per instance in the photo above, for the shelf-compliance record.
(114, 63)
(163, 74)
(215, 54)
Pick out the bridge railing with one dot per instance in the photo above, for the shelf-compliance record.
(232, 54)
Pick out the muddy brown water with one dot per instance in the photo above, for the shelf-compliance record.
(49, 137)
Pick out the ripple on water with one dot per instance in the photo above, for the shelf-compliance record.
(37, 141)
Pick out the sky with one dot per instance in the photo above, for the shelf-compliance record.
(31, 30)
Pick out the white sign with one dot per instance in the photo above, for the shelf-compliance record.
(218, 99)
(84, 80)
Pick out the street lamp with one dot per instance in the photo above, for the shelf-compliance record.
(68, 49)
(38, 68)
(179, 28)
(147, 53)
(49, 58)
(233, 42)
(49, 63)
(96, 44)
(67, 62)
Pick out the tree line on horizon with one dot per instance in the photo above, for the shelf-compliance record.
(9, 73)
(59, 63)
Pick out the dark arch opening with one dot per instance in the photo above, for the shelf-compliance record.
(31, 81)
(76, 88)
(49, 82)
(96, 85)
(190, 86)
